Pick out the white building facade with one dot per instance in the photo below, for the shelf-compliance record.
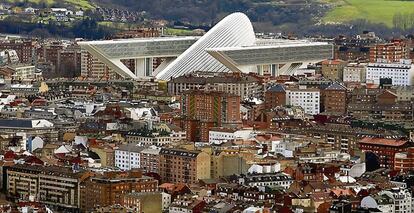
(127, 157)
(402, 73)
(308, 99)
(402, 199)
(218, 136)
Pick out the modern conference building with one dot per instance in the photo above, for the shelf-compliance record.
(231, 45)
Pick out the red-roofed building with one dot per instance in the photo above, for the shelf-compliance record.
(384, 148)
(10, 155)
(39, 102)
(175, 189)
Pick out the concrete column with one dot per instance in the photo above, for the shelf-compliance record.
(143, 67)
(275, 69)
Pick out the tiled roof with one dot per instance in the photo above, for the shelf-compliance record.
(383, 141)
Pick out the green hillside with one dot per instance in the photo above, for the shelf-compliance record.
(84, 4)
(376, 11)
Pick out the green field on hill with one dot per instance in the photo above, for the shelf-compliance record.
(376, 11)
(84, 4)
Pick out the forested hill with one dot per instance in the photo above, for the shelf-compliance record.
(301, 17)
(270, 12)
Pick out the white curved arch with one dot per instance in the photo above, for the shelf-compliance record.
(235, 30)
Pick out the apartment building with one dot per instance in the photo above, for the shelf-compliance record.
(54, 186)
(401, 73)
(108, 188)
(244, 85)
(355, 72)
(384, 149)
(379, 104)
(184, 166)
(334, 99)
(155, 139)
(389, 52)
(402, 199)
(127, 156)
(404, 161)
(150, 160)
(275, 96)
(25, 48)
(202, 110)
(308, 99)
(333, 69)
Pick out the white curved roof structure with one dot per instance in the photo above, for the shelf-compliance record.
(230, 45)
(235, 30)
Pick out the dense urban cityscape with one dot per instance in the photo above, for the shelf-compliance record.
(226, 119)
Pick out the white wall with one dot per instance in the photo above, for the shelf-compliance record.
(308, 100)
(127, 160)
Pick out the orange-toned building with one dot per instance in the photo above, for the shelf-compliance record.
(203, 110)
(107, 189)
(389, 52)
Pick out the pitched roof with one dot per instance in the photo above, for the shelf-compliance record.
(131, 148)
(383, 141)
(277, 88)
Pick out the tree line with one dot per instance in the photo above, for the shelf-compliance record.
(403, 20)
(86, 28)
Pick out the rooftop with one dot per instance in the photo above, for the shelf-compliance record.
(180, 152)
(383, 141)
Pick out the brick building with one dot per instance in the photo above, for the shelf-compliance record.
(355, 49)
(202, 110)
(334, 99)
(107, 189)
(275, 96)
(342, 136)
(244, 85)
(26, 49)
(150, 160)
(384, 149)
(66, 59)
(184, 166)
(389, 52)
(379, 104)
(138, 33)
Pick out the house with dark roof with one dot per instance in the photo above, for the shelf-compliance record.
(275, 96)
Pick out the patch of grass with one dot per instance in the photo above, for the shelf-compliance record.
(376, 11)
(49, 2)
(115, 25)
(84, 4)
(179, 32)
